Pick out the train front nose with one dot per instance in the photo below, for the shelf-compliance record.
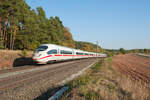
(39, 53)
(36, 57)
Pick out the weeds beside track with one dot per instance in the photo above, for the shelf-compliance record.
(104, 82)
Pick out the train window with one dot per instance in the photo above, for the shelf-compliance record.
(62, 52)
(65, 52)
(42, 48)
(86, 53)
(52, 51)
(79, 53)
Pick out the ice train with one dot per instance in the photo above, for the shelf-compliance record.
(50, 52)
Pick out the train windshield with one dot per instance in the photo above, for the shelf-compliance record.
(42, 48)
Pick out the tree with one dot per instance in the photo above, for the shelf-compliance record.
(87, 46)
(146, 51)
(68, 40)
(1, 43)
(122, 50)
(22, 28)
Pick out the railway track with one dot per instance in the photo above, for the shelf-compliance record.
(53, 73)
(30, 77)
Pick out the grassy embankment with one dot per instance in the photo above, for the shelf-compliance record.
(11, 58)
(104, 82)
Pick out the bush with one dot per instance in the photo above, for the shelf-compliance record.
(1, 44)
(24, 53)
(109, 54)
(122, 50)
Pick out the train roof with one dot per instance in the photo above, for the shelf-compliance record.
(54, 45)
(61, 46)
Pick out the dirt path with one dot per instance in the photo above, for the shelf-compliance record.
(136, 66)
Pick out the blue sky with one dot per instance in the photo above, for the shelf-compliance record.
(113, 23)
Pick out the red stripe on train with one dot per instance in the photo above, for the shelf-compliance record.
(59, 55)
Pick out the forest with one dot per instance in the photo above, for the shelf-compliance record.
(24, 28)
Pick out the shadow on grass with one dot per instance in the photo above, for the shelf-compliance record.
(23, 61)
(50, 92)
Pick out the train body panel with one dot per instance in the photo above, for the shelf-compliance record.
(51, 52)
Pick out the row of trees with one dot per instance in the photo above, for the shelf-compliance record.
(146, 51)
(112, 52)
(88, 46)
(23, 28)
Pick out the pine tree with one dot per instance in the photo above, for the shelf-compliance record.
(1, 43)
(23, 28)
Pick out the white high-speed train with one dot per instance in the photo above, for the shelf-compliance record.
(50, 52)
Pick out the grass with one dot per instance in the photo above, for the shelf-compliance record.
(9, 56)
(104, 82)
